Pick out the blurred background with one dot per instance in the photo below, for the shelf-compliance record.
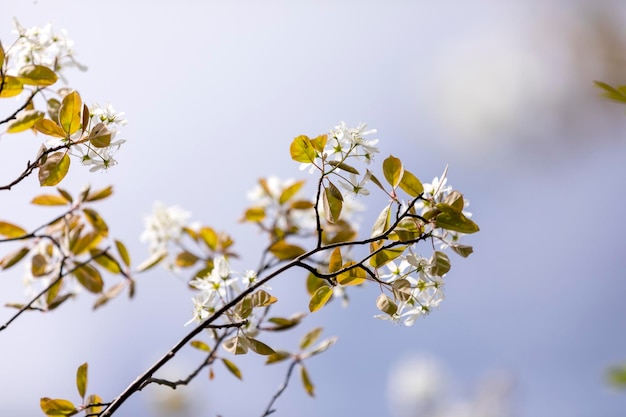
(214, 92)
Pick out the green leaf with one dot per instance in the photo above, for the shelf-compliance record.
(310, 338)
(282, 323)
(49, 200)
(12, 87)
(386, 305)
(411, 185)
(611, 92)
(302, 150)
(306, 381)
(354, 276)
(57, 407)
(617, 376)
(121, 249)
(333, 203)
(11, 230)
(260, 347)
(70, 113)
(38, 75)
(439, 264)
(455, 201)
(14, 257)
(67, 196)
(386, 255)
(344, 166)
(100, 136)
(54, 169)
(89, 277)
(96, 221)
(463, 250)
(100, 194)
(200, 345)
(24, 121)
(320, 298)
(451, 219)
(285, 251)
(393, 170)
(81, 379)
(232, 368)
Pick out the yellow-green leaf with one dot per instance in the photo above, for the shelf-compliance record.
(386, 255)
(38, 265)
(14, 257)
(262, 298)
(87, 241)
(344, 166)
(285, 251)
(232, 368)
(236, 345)
(186, 259)
(200, 345)
(12, 87)
(335, 261)
(393, 170)
(354, 276)
(278, 356)
(313, 283)
(96, 221)
(310, 338)
(382, 222)
(93, 409)
(49, 200)
(54, 169)
(100, 194)
(53, 106)
(254, 214)
(290, 192)
(439, 264)
(463, 250)
(81, 379)
(121, 249)
(11, 230)
(386, 305)
(319, 299)
(109, 294)
(319, 143)
(306, 381)
(411, 185)
(24, 121)
(38, 75)
(50, 128)
(70, 113)
(106, 261)
(333, 203)
(260, 347)
(89, 277)
(302, 150)
(100, 136)
(451, 219)
(209, 237)
(57, 407)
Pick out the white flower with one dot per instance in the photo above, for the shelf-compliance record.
(348, 139)
(164, 225)
(107, 115)
(356, 187)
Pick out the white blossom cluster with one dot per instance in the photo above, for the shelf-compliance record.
(163, 226)
(41, 46)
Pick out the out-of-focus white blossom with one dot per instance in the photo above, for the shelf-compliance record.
(165, 224)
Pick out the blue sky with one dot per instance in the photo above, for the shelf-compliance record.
(214, 92)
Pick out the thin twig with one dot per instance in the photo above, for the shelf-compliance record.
(22, 107)
(281, 389)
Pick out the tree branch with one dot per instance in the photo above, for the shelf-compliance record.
(281, 389)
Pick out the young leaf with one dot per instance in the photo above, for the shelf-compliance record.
(310, 338)
(335, 261)
(50, 128)
(100, 136)
(81, 379)
(384, 256)
(49, 200)
(333, 203)
(13, 258)
(57, 407)
(209, 237)
(153, 260)
(354, 276)
(285, 251)
(382, 222)
(100, 194)
(186, 259)
(411, 185)
(24, 121)
(54, 169)
(278, 356)
(232, 368)
(11, 230)
(90, 278)
(12, 87)
(319, 143)
(109, 294)
(302, 150)
(260, 347)
(200, 345)
(463, 250)
(344, 166)
(386, 305)
(393, 170)
(38, 75)
(439, 264)
(451, 219)
(39, 265)
(290, 192)
(69, 113)
(96, 221)
(262, 298)
(236, 345)
(320, 298)
(106, 261)
(121, 249)
(93, 409)
(306, 381)
(254, 214)
(53, 106)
